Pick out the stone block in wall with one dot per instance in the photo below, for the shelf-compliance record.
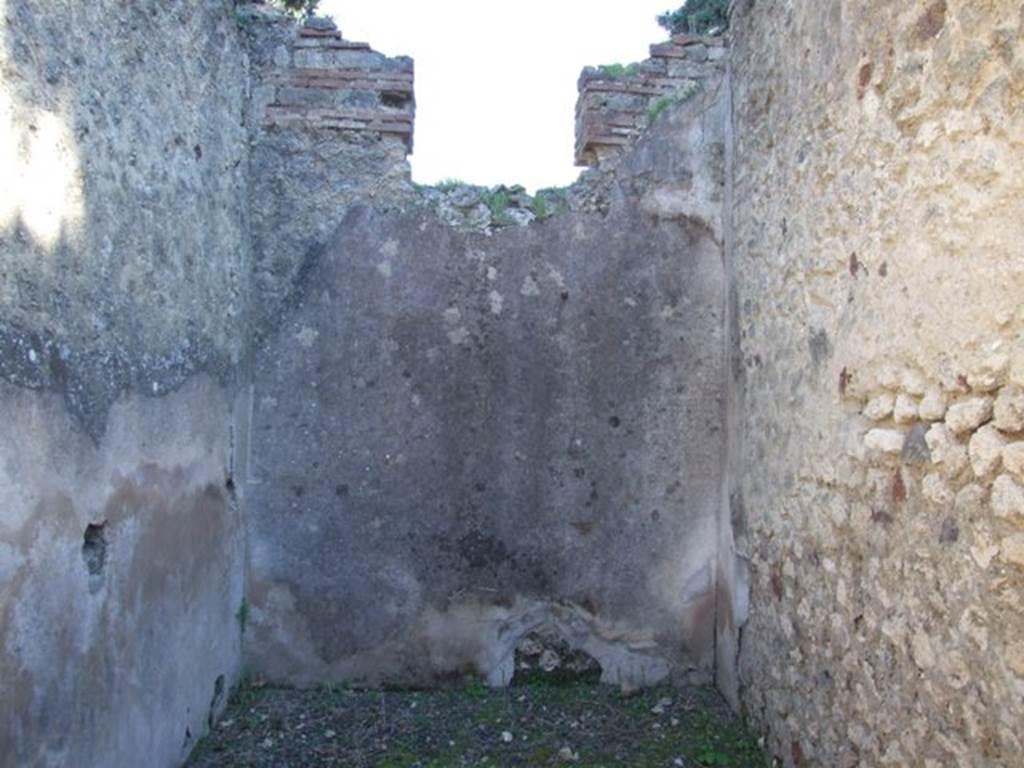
(616, 105)
(860, 208)
(321, 82)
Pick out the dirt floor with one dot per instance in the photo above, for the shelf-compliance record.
(542, 721)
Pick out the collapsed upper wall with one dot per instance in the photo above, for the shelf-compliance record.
(123, 310)
(878, 274)
(617, 103)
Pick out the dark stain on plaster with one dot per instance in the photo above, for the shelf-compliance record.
(775, 578)
(899, 488)
(482, 551)
(845, 377)
(931, 22)
(820, 347)
(583, 527)
(737, 513)
(91, 378)
(950, 532)
(881, 517)
(797, 753)
(168, 571)
(864, 78)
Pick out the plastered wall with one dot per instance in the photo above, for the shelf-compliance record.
(462, 437)
(123, 295)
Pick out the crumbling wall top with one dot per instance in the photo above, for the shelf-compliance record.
(617, 103)
(311, 77)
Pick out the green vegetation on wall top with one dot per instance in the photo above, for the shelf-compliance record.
(697, 17)
(618, 70)
(300, 8)
(662, 103)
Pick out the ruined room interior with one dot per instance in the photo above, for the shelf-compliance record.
(735, 422)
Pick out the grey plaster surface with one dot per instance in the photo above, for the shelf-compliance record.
(459, 436)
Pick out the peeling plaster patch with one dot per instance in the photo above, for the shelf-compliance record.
(307, 336)
(530, 287)
(669, 203)
(497, 301)
(697, 585)
(557, 278)
(457, 334)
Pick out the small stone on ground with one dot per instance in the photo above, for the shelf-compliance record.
(538, 722)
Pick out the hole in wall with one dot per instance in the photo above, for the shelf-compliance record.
(545, 658)
(94, 553)
(216, 701)
(394, 99)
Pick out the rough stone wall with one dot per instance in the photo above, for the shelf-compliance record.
(877, 275)
(123, 215)
(123, 293)
(330, 124)
(461, 437)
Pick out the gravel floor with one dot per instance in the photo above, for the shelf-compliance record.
(539, 722)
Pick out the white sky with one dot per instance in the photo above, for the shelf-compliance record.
(496, 82)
